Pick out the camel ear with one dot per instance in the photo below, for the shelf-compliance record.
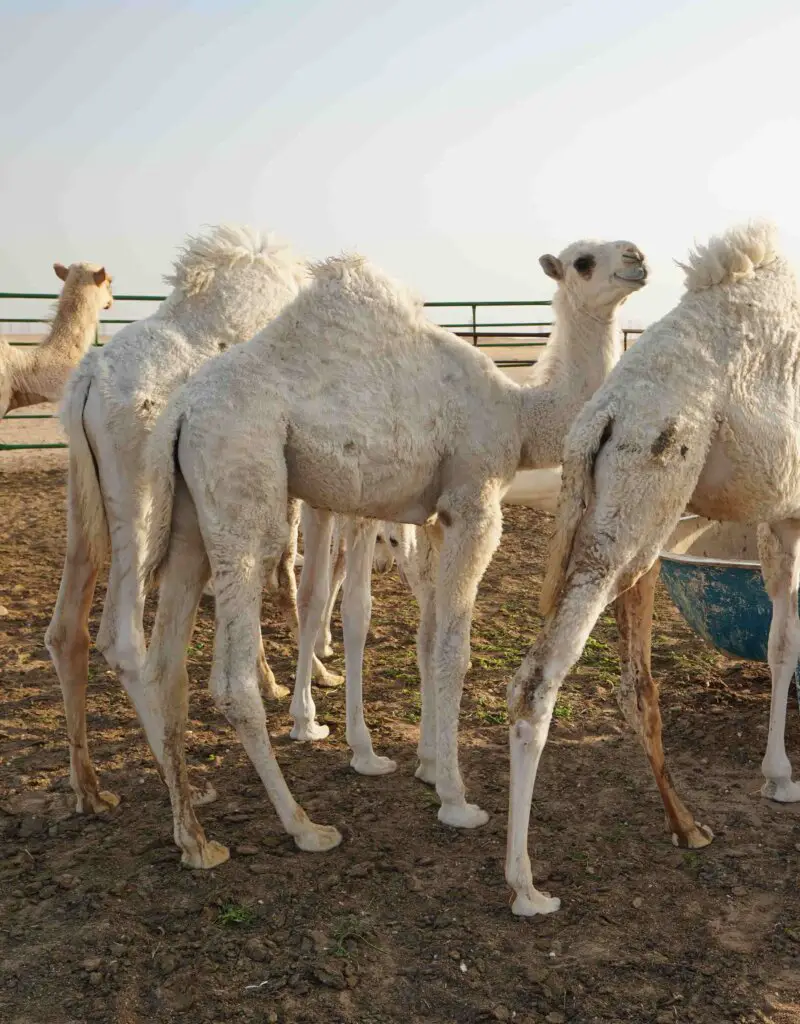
(100, 276)
(61, 271)
(552, 266)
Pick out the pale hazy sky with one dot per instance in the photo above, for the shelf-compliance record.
(451, 141)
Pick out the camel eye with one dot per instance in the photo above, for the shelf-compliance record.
(585, 265)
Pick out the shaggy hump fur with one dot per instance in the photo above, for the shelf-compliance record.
(730, 257)
(357, 278)
(138, 369)
(224, 245)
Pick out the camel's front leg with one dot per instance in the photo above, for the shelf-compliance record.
(637, 697)
(471, 535)
(356, 612)
(779, 549)
(311, 598)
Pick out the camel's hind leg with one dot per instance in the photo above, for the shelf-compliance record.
(637, 697)
(532, 696)
(67, 640)
(356, 612)
(165, 684)
(324, 644)
(312, 596)
(235, 689)
(609, 553)
(294, 612)
(779, 548)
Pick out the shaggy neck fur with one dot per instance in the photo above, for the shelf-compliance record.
(584, 347)
(39, 374)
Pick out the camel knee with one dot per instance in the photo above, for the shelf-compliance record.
(532, 693)
(124, 656)
(241, 705)
(628, 703)
(311, 604)
(356, 608)
(64, 644)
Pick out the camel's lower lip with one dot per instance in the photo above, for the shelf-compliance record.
(640, 279)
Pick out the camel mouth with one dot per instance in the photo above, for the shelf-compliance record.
(636, 276)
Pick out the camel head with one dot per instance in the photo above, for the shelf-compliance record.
(383, 558)
(87, 276)
(597, 276)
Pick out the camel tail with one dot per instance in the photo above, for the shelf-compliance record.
(161, 468)
(577, 487)
(83, 475)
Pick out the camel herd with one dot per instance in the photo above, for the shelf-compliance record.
(267, 391)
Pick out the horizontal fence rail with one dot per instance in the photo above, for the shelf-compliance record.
(529, 335)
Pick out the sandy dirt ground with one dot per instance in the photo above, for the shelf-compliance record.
(407, 920)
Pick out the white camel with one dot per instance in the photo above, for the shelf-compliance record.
(227, 284)
(703, 411)
(585, 344)
(32, 375)
(352, 401)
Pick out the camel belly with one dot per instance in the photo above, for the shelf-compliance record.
(756, 481)
(376, 488)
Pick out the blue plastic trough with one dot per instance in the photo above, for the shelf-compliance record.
(712, 573)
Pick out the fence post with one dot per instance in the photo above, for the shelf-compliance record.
(474, 323)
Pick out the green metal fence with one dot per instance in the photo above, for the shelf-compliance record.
(526, 336)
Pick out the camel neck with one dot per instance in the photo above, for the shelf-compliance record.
(40, 373)
(72, 329)
(584, 347)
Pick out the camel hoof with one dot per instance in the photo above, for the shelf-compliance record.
(308, 733)
(318, 838)
(462, 815)
(209, 855)
(426, 772)
(783, 791)
(202, 795)
(276, 692)
(328, 680)
(372, 764)
(695, 839)
(99, 802)
(533, 903)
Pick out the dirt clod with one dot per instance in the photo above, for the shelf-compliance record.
(256, 950)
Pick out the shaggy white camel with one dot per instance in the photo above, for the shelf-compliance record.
(352, 401)
(32, 375)
(585, 344)
(702, 411)
(227, 284)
